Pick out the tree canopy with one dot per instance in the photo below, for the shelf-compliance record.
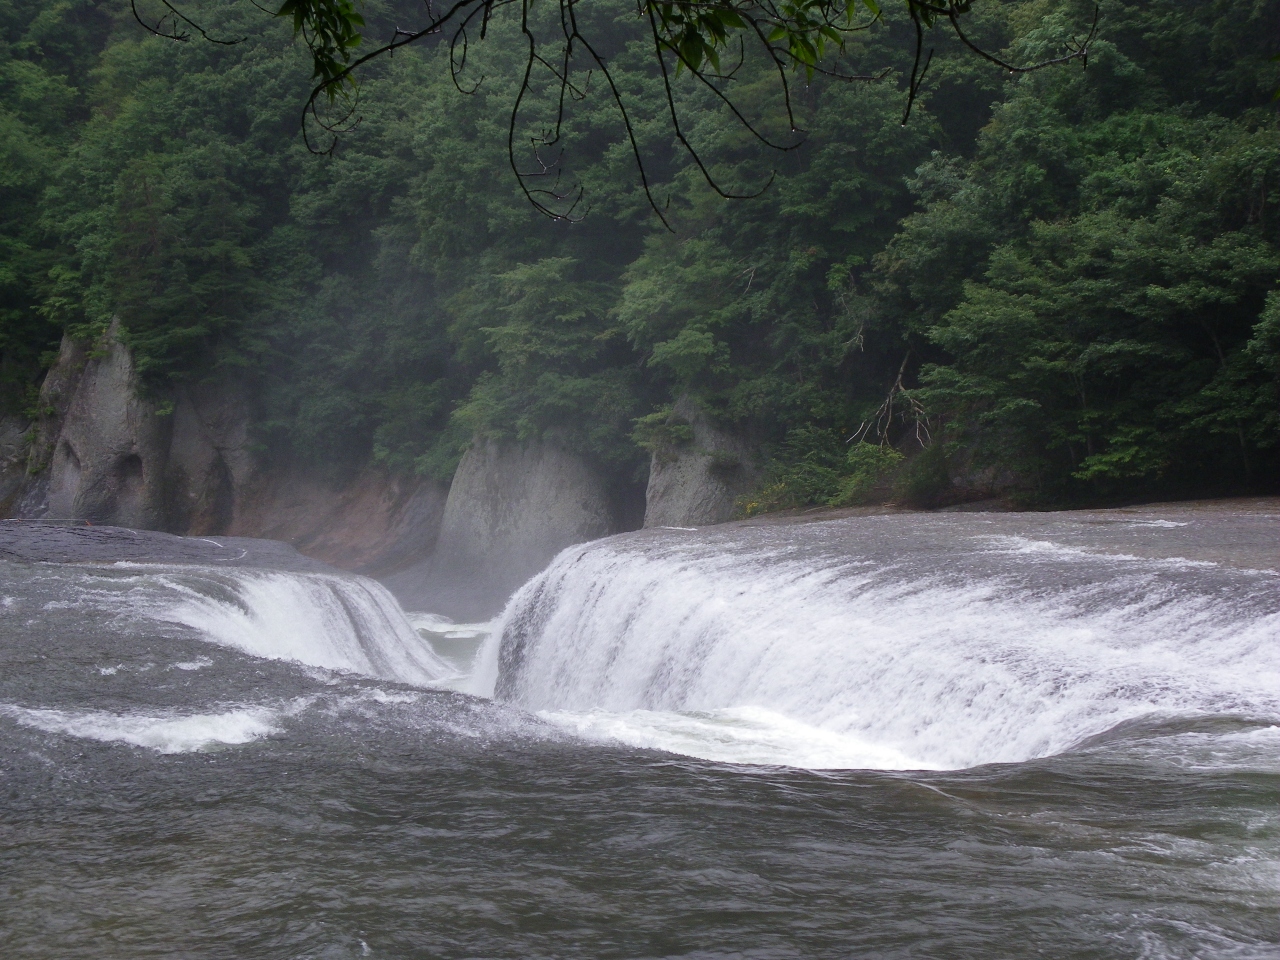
(709, 40)
(1065, 279)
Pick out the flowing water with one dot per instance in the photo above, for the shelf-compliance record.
(951, 736)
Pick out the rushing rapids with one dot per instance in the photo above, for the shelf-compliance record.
(962, 644)
(1060, 732)
(337, 622)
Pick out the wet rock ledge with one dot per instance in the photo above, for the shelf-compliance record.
(42, 542)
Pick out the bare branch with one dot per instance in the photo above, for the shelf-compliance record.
(174, 33)
(675, 123)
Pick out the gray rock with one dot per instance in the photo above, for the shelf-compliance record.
(699, 482)
(104, 448)
(14, 434)
(374, 522)
(46, 541)
(511, 508)
(209, 459)
(105, 452)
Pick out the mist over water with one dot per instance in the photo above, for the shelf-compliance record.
(888, 736)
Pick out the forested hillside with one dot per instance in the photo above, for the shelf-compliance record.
(1070, 279)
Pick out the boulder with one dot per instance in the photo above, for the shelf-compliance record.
(511, 508)
(699, 481)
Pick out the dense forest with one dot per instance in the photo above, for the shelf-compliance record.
(1069, 279)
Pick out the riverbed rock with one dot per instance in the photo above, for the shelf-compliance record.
(699, 481)
(511, 508)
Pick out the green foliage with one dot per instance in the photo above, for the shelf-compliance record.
(555, 351)
(1109, 343)
(817, 467)
(662, 433)
(1074, 272)
(332, 31)
(868, 465)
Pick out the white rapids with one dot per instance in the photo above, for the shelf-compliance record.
(171, 733)
(336, 622)
(805, 649)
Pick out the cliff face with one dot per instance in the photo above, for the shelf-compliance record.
(104, 452)
(699, 482)
(511, 508)
(183, 463)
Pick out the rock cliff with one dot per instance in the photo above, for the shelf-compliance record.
(183, 462)
(699, 481)
(511, 508)
(99, 450)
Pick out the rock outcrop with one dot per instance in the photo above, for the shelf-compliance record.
(14, 433)
(103, 451)
(511, 508)
(373, 523)
(699, 481)
(100, 450)
(184, 463)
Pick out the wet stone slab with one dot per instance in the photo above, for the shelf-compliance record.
(34, 541)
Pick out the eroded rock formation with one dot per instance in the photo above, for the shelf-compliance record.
(698, 482)
(100, 450)
(183, 462)
(511, 508)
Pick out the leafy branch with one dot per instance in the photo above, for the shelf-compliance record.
(685, 36)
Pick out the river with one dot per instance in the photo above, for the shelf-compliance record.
(942, 736)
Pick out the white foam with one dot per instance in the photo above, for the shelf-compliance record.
(348, 624)
(1048, 549)
(434, 623)
(880, 666)
(745, 735)
(171, 733)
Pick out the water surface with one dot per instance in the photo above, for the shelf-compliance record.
(942, 737)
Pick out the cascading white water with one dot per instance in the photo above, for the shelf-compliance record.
(817, 650)
(336, 622)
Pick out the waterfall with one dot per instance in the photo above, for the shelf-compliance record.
(336, 622)
(996, 649)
